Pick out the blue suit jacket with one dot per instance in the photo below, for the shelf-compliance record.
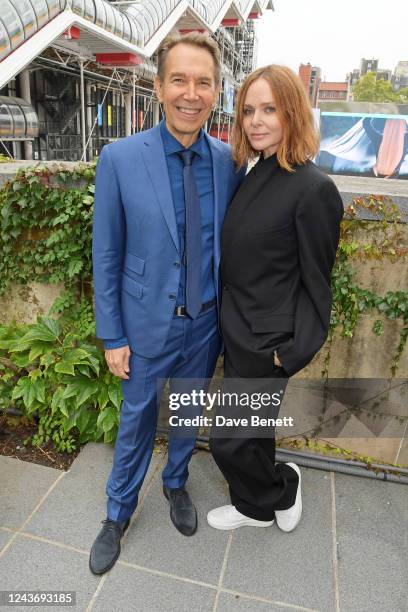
(135, 249)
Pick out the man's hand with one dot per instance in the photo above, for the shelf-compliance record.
(276, 359)
(118, 361)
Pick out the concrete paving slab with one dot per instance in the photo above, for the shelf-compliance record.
(32, 565)
(74, 510)
(235, 603)
(296, 567)
(22, 485)
(129, 590)
(372, 528)
(4, 538)
(402, 455)
(293, 571)
(154, 542)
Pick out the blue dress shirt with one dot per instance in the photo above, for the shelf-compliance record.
(203, 174)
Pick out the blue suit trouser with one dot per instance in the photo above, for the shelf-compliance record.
(190, 352)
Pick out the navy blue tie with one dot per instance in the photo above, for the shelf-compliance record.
(193, 237)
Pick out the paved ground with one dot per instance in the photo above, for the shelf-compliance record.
(349, 553)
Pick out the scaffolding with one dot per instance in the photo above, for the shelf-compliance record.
(81, 104)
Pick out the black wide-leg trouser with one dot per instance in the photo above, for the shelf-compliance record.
(257, 485)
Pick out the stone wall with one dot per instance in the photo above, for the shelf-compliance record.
(363, 356)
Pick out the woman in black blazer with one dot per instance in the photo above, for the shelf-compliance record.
(278, 247)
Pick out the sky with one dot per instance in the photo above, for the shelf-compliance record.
(333, 34)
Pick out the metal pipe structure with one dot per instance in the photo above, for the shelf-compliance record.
(18, 119)
(28, 27)
(377, 471)
(24, 78)
(137, 23)
(83, 122)
(58, 67)
(133, 118)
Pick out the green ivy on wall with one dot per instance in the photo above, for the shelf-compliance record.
(46, 234)
(362, 239)
(54, 369)
(46, 226)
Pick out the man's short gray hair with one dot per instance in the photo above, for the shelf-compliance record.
(196, 39)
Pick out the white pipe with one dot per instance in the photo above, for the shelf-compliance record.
(24, 77)
(83, 122)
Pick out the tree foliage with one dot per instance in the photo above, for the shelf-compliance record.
(369, 89)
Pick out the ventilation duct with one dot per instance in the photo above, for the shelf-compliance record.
(18, 119)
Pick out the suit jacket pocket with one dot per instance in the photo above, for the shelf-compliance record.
(287, 229)
(134, 263)
(131, 286)
(268, 333)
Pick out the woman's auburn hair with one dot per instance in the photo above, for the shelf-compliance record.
(300, 140)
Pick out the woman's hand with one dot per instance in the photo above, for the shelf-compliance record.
(276, 359)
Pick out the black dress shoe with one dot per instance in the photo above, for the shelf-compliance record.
(106, 548)
(182, 510)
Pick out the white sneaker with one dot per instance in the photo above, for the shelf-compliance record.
(228, 517)
(288, 519)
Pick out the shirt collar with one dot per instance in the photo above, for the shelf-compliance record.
(172, 145)
(268, 163)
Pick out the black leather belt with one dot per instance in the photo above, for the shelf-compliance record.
(180, 311)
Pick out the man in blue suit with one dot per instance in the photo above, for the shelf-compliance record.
(160, 200)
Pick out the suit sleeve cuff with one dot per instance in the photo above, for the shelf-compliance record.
(116, 343)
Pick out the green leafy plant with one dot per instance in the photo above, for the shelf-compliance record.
(53, 370)
(60, 380)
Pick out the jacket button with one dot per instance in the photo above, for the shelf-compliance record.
(172, 296)
(176, 264)
(226, 287)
